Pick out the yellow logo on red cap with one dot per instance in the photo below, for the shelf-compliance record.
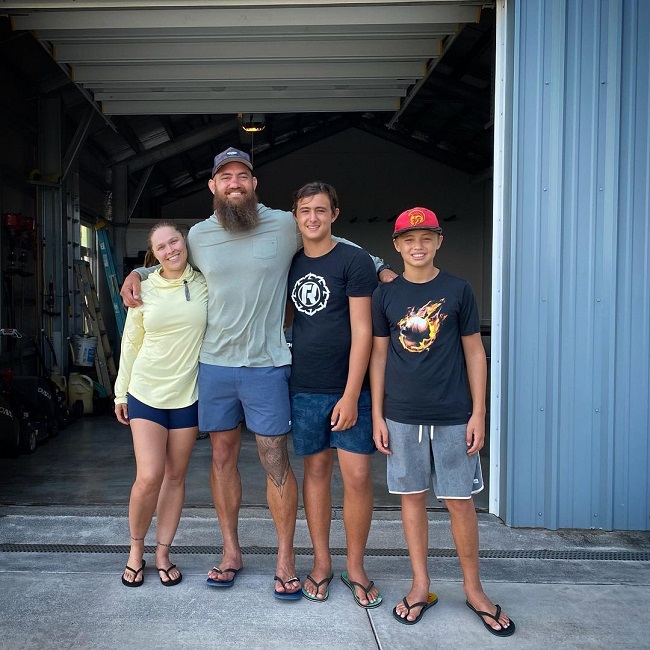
(416, 217)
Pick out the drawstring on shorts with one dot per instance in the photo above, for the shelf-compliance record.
(422, 426)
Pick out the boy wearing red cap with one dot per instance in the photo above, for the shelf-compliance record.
(428, 376)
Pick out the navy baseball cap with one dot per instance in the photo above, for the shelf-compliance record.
(230, 155)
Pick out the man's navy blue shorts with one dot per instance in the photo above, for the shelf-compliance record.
(312, 425)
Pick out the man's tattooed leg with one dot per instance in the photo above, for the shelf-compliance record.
(275, 459)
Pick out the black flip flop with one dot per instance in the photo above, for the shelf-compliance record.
(504, 631)
(431, 600)
(170, 582)
(126, 583)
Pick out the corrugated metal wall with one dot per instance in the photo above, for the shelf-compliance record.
(577, 307)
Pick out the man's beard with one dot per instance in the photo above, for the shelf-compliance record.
(237, 217)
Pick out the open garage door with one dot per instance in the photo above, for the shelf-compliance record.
(149, 91)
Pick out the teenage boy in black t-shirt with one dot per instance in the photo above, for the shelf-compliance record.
(428, 379)
(330, 288)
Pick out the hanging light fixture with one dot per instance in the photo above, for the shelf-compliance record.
(252, 123)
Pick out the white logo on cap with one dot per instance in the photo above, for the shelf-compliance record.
(231, 153)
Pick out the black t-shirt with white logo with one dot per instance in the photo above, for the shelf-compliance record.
(426, 376)
(319, 288)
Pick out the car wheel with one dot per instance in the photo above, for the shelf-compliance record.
(54, 429)
(9, 428)
(29, 441)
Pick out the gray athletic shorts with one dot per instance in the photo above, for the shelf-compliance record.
(425, 454)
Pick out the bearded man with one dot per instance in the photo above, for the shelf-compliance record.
(244, 250)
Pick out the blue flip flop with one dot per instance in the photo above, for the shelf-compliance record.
(318, 585)
(431, 600)
(223, 583)
(283, 595)
(351, 584)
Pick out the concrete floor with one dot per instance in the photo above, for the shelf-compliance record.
(107, 471)
(63, 536)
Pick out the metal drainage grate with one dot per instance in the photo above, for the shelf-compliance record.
(540, 554)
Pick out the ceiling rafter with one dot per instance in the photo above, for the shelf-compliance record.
(118, 52)
(173, 79)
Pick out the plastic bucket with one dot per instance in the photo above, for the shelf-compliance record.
(80, 387)
(85, 348)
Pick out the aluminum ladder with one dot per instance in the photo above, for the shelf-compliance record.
(104, 360)
(111, 276)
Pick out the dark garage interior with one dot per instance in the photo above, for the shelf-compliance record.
(110, 120)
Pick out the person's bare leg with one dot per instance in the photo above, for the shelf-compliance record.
(464, 529)
(416, 532)
(282, 497)
(357, 517)
(180, 443)
(149, 445)
(225, 483)
(318, 510)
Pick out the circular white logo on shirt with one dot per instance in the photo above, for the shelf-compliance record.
(310, 294)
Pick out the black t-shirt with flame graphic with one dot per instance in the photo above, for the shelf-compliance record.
(426, 376)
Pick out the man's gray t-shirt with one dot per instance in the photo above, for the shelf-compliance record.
(246, 275)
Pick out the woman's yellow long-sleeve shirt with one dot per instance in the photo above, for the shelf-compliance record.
(159, 359)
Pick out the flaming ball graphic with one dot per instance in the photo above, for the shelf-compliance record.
(419, 328)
